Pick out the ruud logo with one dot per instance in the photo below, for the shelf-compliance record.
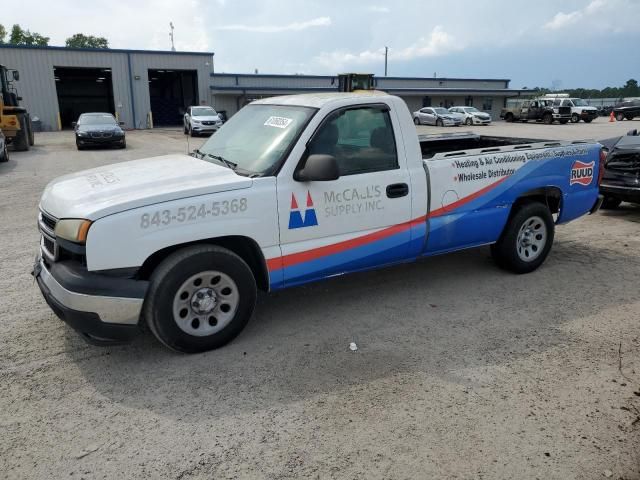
(296, 219)
(581, 173)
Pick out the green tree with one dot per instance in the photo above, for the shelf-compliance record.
(3, 33)
(80, 40)
(25, 37)
(631, 89)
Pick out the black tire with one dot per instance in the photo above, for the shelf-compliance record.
(21, 140)
(575, 118)
(506, 250)
(468, 121)
(629, 117)
(563, 121)
(547, 119)
(439, 123)
(416, 120)
(32, 139)
(124, 143)
(4, 153)
(509, 117)
(619, 116)
(170, 276)
(610, 203)
(191, 132)
(184, 129)
(587, 120)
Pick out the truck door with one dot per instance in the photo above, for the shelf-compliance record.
(534, 111)
(361, 219)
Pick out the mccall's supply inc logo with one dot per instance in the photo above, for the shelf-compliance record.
(582, 173)
(296, 217)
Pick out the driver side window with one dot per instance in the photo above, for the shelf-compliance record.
(361, 140)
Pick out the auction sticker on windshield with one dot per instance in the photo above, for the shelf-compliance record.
(278, 122)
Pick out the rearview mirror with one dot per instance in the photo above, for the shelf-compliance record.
(318, 168)
(121, 124)
(16, 75)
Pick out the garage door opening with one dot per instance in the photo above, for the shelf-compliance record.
(171, 92)
(82, 90)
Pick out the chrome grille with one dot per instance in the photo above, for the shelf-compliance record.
(47, 225)
(101, 134)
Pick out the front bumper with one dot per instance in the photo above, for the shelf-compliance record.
(88, 141)
(588, 115)
(626, 193)
(481, 121)
(104, 310)
(205, 128)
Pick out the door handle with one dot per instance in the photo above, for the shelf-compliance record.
(397, 190)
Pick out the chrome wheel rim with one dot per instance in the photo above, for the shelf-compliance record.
(205, 303)
(532, 239)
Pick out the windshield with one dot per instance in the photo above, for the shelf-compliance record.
(203, 112)
(257, 137)
(471, 109)
(441, 111)
(578, 102)
(97, 120)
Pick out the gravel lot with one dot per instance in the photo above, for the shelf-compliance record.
(462, 370)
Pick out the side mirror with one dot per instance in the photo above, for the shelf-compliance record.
(74, 124)
(318, 168)
(16, 75)
(121, 124)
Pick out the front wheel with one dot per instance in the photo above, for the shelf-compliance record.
(575, 118)
(564, 121)
(4, 153)
(439, 123)
(416, 121)
(547, 119)
(468, 121)
(526, 240)
(200, 298)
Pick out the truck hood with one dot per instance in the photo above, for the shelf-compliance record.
(102, 191)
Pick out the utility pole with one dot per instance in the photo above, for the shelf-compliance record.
(386, 56)
(173, 47)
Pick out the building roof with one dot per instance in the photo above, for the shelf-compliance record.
(103, 50)
(289, 75)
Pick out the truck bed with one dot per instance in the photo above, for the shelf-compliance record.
(456, 144)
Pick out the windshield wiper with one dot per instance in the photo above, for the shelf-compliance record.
(227, 163)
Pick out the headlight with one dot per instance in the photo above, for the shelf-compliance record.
(196, 121)
(73, 229)
(83, 134)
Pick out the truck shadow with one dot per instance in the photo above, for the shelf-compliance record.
(436, 317)
(627, 211)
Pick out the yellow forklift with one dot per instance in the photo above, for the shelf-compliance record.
(15, 121)
(352, 82)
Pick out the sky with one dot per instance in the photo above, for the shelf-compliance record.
(546, 43)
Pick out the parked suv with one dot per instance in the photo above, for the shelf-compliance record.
(629, 110)
(199, 120)
(621, 180)
(580, 110)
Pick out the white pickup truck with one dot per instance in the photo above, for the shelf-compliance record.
(292, 190)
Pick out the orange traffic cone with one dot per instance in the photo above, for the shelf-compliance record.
(612, 117)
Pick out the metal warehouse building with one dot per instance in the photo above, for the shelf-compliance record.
(147, 89)
(144, 88)
(230, 92)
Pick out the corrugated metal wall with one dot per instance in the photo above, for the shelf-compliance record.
(38, 89)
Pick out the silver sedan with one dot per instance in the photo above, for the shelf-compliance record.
(438, 116)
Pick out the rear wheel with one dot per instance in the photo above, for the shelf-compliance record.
(200, 298)
(508, 117)
(21, 140)
(4, 153)
(526, 240)
(575, 118)
(610, 203)
(629, 117)
(587, 120)
(32, 139)
(547, 119)
(619, 116)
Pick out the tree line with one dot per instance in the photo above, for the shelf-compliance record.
(629, 89)
(20, 36)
